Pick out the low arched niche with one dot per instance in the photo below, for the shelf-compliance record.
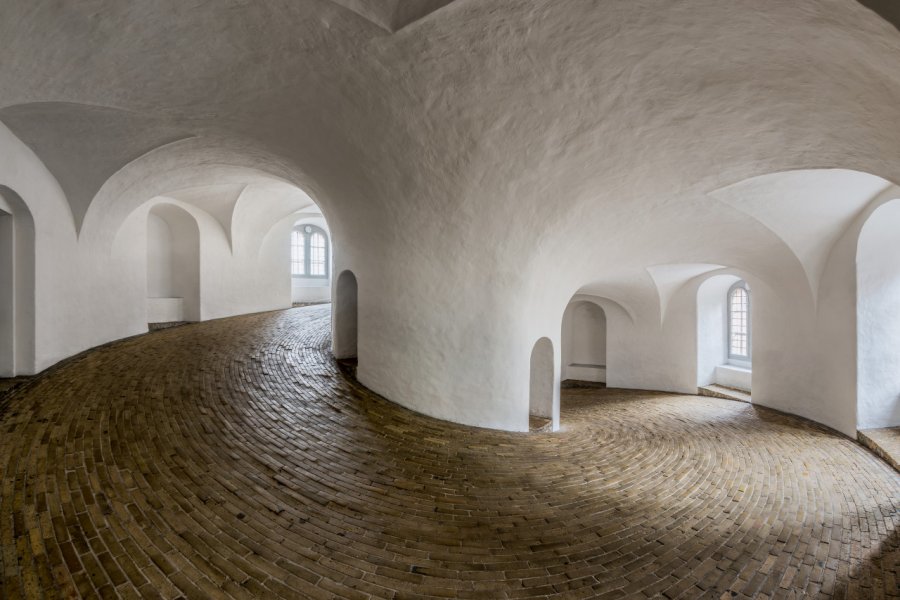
(878, 319)
(583, 344)
(542, 399)
(346, 316)
(173, 265)
(17, 286)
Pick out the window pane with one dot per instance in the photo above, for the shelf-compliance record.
(298, 260)
(317, 254)
(739, 317)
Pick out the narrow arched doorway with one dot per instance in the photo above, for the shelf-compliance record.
(543, 410)
(17, 264)
(7, 297)
(346, 317)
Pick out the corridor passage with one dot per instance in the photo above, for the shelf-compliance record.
(233, 459)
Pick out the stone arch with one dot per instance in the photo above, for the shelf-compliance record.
(173, 265)
(583, 342)
(878, 318)
(346, 316)
(17, 286)
(543, 398)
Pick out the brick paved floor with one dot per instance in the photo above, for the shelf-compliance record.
(232, 459)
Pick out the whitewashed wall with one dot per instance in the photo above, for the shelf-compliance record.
(878, 285)
(472, 197)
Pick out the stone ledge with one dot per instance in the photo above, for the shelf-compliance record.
(884, 442)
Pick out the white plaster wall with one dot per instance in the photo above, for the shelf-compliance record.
(878, 287)
(653, 355)
(310, 293)
(160, 259)
(471, 196)
(92, 290)
(736, 378)
(642, 353)
(243, 282)
(785, 371)
(213, 281)
(165, 310)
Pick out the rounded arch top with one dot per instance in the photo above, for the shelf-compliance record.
(345, 326)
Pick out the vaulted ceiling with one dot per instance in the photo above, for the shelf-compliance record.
(405, 106)
(393, 15)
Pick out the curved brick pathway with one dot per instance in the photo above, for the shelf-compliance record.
(232, 459)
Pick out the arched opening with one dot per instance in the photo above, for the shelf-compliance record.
(346, 316)
(584, 343)
(878, 319)
(7, 296)
(17, 283)
(310, 261)
(173, 265)
(724, 336)
(542, 408)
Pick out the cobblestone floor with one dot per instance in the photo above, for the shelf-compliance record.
(233, 459)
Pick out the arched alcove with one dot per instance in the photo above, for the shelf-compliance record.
(17, 284)
(716, 363)
(310, 260)
(542, 386)
(878, 319)
(346, 316)
(584, 342)
(173, 265)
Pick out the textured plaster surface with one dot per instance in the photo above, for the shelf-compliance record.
(477, 169)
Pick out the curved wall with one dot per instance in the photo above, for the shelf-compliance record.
(570, 148)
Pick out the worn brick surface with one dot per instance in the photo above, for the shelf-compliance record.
(233, 459)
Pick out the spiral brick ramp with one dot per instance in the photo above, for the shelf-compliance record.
(233, 459)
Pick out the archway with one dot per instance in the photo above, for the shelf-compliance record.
(878, 319)
(724, 334)
(173, 265)
(7, 296)
(17, 263)
(542, 389)
(310, 261)
(346, 316)
(584, 342)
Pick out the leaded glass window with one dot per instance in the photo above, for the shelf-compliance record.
(309, 252)
(739, 321)
(298, 253)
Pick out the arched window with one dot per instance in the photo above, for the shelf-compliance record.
(309, 252)
(739, 321)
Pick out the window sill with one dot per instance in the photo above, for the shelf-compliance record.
(734, 377)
